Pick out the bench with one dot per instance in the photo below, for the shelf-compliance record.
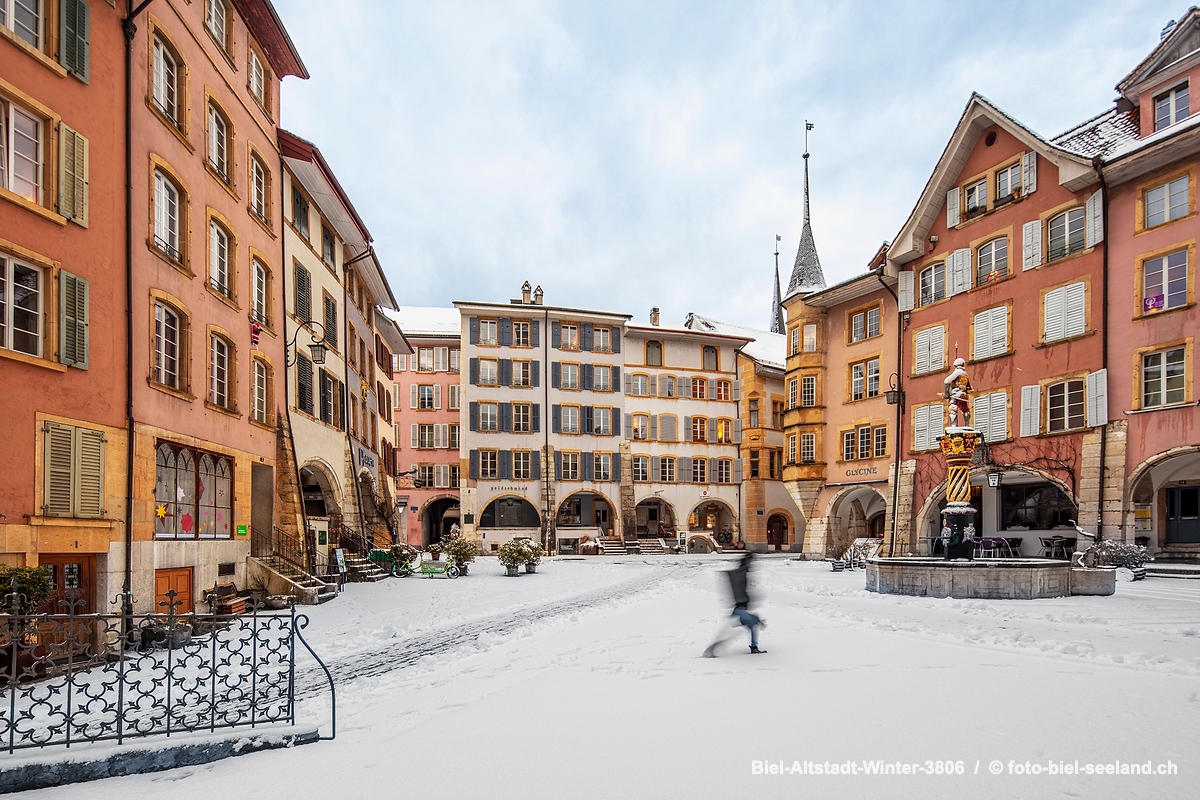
(223, 599)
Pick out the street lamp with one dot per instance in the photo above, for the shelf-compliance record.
(894, 395)
(317, 348)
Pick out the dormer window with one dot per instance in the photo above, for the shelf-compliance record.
(1171, 107)
(976, 197)
(1008, 181)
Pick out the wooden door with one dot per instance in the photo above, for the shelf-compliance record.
(69, 572)
(777, 531)
(179, 579)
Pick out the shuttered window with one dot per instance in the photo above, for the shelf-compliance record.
(933, 284)
(73, 323)
(1065, 406)
(304, 384)
(989, 416)
(989, 333)
(930, 354)
(261, 387)
(1065, 312)
(927, 426)
(303, 294)
(1031, 410)
(74, 471)
(330, 321)
(72, 175)
(73, 36)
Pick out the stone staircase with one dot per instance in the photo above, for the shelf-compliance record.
(283, 577)
(652, 546)
(363, 570)
(1177, 569)
(613, 546)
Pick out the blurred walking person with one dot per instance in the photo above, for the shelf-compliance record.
(739, 587)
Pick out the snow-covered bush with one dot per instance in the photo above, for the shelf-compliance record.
(513, 553)
(535, 552)
(461, 550)
(1111, 553)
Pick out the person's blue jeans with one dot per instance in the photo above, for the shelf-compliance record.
(750, 621)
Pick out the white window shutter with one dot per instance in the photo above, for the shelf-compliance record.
(441, 359)
(998, 417)
(1032, 233)
(920, 429)
(1053, 312)
(960, 271)
(1094, 226)
(441, 435)
(980, 414)
(981, 335)
(1028, 174)
(1097, 398)
(412, 396)
(1075, 309)
(999, 327)
(416, 434)
(437, 395)
(937, 348)
(952, 212)
(906, 290)
(1031, 410)
(921, 352)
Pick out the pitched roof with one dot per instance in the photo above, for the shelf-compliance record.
(777, 323)
(272, 37)
(1101, 134)
(417, 321)
(1168, 47)
(769, 349)
(806, 274)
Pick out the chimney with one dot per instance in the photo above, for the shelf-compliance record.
(1166, 31)
(654, 316)
(525, 290)
(537, 296)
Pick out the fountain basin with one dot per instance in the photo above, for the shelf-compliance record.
(990, 579)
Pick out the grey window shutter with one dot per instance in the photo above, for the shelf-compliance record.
(952, 207)
(615, 470)
(586, 336)
(473, 370)
(737, 470)
(666, 428)
(555, 374)
(535, 465)
(655, 475)
(616, 422)
(654, 386)
(616, 379)
(73, 41)
(586, 374)
(1028, 173)
(687, 429)
(536, 418)
(505, 372)
(73, 317)
(712, 389)
(535, 333)
(616, 339)
(303, 299)
(89, 471)
(588, 419)
(628, 383)
(72, 175)
(557, 465)
(331, 325)
(304, 384)
(628, 425)
(506, 462)
(505, 331)
(535, 369)
(506, 417)
(712, 430)
(59, 465)
(654, 427)
(587, 465)
(737, 389)
(556, 418)
(473, 330)
(684, 474)
(473, 416)
(474, 468)
(737, 431)
(555, 334)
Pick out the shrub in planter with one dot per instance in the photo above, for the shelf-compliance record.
(1110, 553)
(512, 555)
(535, 552)
(403, 556)
(32, 582)
(435, 550)
(461, 551)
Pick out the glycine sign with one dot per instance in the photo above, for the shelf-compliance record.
(1155, 303)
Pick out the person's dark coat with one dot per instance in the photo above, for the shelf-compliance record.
(739, 580)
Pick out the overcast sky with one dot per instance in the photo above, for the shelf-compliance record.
(630, 154)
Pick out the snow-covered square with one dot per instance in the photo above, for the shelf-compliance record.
(585, 680)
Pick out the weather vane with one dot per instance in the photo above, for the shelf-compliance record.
(808, 126)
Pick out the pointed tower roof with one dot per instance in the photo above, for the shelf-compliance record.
(777, 324)
(806, 274)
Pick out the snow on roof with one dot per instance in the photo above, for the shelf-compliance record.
(767, 348)
(427, 320)
(1131, 145)
(1102, 133)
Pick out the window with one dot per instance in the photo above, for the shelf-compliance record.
(808, 448)
(522, 373)
(441, 359)
(329, 310)
(641, 426)
(570, 337)
(455, 403)
(602, 341)
(329, 392)
(257, 78)
(1065, 312)
(1035, 507)
(167, 85)
(425, 475)
(300, 212)
(710, 358)
(753, 407)
(864, 324)
(1165, 282)
(522, 418)
(74, 471)
(455, 473)
(795, 341)
(487, 331)
(699, 470)
(724, 390)
(1167, 202)
(259, 406)
(193, 494)
(214, 20)
(699, 388)
(453, 436)
(930, 354)
(522, 465)
(666, 469)
(1067, 233)
(724, 470)
(602, 378)
(654, 354)
(641, 469)
(425, 359)
(570, 376)
(328, 247)
(489, 464)
(570, 466)
(21, 156)
(989, 333)
(791, 449)
(22, 302)
(777, 415)
(725, 431)
(520, 333)
(218, 142)
(848, 445)
(570, 419)
(808, 394)
(303, 300)
(425, 397)
(168, 338)
(699, 429)
(489, 417)
(880, 439)
(863, 442)
(455, 359)
(166, 217)
(602, 466)
(933, 284)
(864, 379)
(219, 365)
(1164, 378)
(260, 278)
(218, 259)
(24, 18)
(1066, 406)
(602, 421)
(488, 372)
(793, 387)
(753, 463)
(1008, 181)
(810, 338)
(640, 385)
(976, 197)
(425, 437)
(992, 261)
(1171, 107)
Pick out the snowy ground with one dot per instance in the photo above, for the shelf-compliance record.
(585, 681)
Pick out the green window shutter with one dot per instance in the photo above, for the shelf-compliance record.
(72, 175)
(89, 473)
(73, 319)
(59, 461)
(73, 37)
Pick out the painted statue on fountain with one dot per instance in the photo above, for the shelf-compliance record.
(958, 447)
(958, 389)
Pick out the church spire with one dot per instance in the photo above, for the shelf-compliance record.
(806, 274)
(777, 324)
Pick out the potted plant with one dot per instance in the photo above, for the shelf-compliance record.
(435, 551)
(403, 556)
(512, 555)
(1123, 556)
(534, 553)
(462, 552)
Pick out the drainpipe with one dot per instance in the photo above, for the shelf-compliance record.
(899, 412)
(547, 473)
(1098, 164)
(129, 29)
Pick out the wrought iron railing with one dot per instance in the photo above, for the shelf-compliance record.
(291, 550)
(72, 678)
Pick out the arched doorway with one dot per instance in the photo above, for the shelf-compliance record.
(855, 513)
(715, 518)
(437, 516)
(1165, 501)
(777, 532)
(322, 509)
(582, 514)
(655, 519)
(508, 518)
